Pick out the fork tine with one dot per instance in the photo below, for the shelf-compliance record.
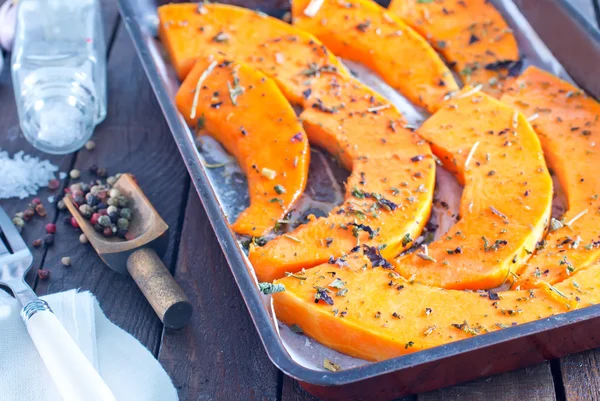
(10, 232)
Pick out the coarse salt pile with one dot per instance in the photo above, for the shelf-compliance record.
(22, 175)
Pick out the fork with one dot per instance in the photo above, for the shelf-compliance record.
(72, 373)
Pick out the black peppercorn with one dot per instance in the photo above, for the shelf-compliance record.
(98, 227)
(122, 233)
(49, 239)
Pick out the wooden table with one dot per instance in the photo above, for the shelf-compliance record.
(218, 356)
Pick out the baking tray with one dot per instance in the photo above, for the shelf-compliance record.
(426, 370)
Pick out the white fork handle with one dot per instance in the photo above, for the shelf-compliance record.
(74, 376)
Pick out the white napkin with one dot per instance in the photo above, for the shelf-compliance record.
(128, 368)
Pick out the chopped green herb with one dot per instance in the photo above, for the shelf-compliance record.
(270, 288)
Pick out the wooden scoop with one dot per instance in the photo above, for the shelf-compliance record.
(138, 256)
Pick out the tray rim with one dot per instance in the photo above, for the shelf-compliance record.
(237, 264)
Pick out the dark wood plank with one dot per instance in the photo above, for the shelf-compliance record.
(12, 140)
(291, 391)
(533, 383)
(218, 356)
(581, 376)
(134, 138)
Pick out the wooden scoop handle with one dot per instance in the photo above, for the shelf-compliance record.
(159, 287)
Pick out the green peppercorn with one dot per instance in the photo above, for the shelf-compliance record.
(104, 221)
(122, 201)
(126, 213)
(86, 210)
(122, 224)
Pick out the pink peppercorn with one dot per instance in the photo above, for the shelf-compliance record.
(50, 228)
(43, 274)
(94, 218)
(36, 201)
(74, 222)
(53, 184)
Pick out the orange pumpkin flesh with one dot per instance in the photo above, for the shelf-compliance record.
(375, 314)
(389, 192)
(289, 56)
(568, 125)
(471, 35)
(362, 31)
(506, 201)
(251, 118)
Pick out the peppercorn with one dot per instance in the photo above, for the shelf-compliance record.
(102, 212)
(93, 169)
(49, 240)
(40, 209)
(74, 222)
(102, 205)
(50, 228)
(36, 201)
(95, 189)
(28, 214)
(94, 218)
(111, 180)
(111, 209)
(18, 221)
(53, 184)
(74, 174)
(104, 221)
(113, 217)
(85, 187)
(37, 243)
(112, 201)
(122, 201)
(126, 213)
(75, 187)
(86, 211)
(101, 172)
(114, 193)
(90, 145)
(61, 205)
(98, 227)
(122, 224)
(107, 232)
(66, 261)
(91, 199)
(43, 274)
(83, 239)
(122, 233)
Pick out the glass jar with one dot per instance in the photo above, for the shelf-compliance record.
(59, 72)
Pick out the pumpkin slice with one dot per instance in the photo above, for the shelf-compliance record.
(290, 56)
(507, 197)
(567, 122)
(389, 193)
(390, 189)
(250, 117)
(363, 31)
(374, 314)
(471, 35)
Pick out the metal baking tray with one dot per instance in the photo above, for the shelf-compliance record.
(576, 45)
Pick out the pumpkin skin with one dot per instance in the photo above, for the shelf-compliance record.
(566, 120)
(363, 31)
(382, 315)
(390, 190)
(262, 132)
(506, 201)
(471, 35)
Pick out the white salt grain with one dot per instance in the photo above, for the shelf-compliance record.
(22, 175)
